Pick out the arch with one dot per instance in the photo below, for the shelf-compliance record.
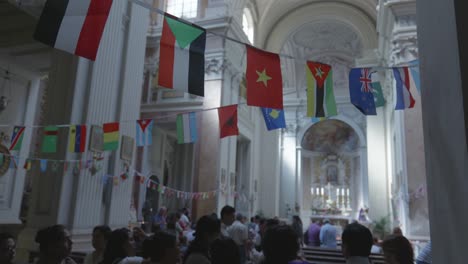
(361, 22)
(248, 24)
(348, 121)
(331, 136)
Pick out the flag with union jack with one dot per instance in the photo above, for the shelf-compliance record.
(361, 90)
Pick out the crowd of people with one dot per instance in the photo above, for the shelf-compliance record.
(225, 239)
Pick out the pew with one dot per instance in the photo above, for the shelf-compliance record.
(325, 255)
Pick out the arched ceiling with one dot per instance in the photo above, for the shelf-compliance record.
(331, 31)
(272, 13)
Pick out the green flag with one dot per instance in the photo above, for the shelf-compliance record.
(378, 94)
(49, 142)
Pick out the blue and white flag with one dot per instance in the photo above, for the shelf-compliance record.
(361, 90)
(144, 132)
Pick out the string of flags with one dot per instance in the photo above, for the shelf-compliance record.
(93, 166)
(182, 60)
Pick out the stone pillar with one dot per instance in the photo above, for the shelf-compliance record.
(84, 92)
(442, 34)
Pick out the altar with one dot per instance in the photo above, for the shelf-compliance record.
(332, 182)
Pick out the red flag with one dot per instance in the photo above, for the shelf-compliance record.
(264, 80)
(228, 121)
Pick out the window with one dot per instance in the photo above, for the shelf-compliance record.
(248, 25)
(182, 8)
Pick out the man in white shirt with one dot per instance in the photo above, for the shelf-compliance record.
(228, 215)
(356, 244)
(240, 234)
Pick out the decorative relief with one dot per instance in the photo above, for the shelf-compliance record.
(404, 49)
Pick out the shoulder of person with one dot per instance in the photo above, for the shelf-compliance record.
(131, 260)
(197, 258)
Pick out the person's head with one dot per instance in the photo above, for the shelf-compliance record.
(356, 241)
(7, 248)
(268, 223)
(252, 219)
(376, 240)
(280, 244)
(161, 248)
(207, 229)
(101, 235)
(239, 217)
(257, 218)
(224, 251)
(119, 245)
(397, 250)
(297, 219)
(54, 242)
(138, 234)
(397, 231)
(228, 215)
(326, 221)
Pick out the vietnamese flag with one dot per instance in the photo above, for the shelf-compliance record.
(228, 121)
(264, 80)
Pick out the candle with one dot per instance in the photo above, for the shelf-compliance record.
(347, 191)
(312, 190)
(317, 191)
(321, 190)
(342, 191)
(337, 191)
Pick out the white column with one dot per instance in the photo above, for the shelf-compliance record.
(443, 38)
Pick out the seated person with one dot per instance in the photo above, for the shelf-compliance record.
(397, 250)
(7, 248)
(100, 236)
(225, 251)
(280, 245)
(356, 244)
(161, 248)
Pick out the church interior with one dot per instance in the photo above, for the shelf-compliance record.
(70, 153)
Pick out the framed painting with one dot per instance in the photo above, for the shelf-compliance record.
(96, 139)
(126, 150)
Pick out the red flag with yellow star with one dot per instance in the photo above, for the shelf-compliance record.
(264, 80)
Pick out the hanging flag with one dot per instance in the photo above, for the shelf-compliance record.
(264, 80)
(361, 91)
(182, 56)
(144, 132)
(414, 70)
(378, 94)
(43, 165)
(274, 118)
(186, 128)
(75, 26)
(27, 164)
(320, 96)
(228, 121)
(17, 138)
(49, 141)
(403, 84)
(77, 139)
(111, 136)
(317, 119)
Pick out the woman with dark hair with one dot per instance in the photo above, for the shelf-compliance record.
(225, 251)
(397, 250)
(207, 230)
(119, 249)
(280, 245)
(100, 236)
(297, 226)
(55, 245)
(161, 248)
